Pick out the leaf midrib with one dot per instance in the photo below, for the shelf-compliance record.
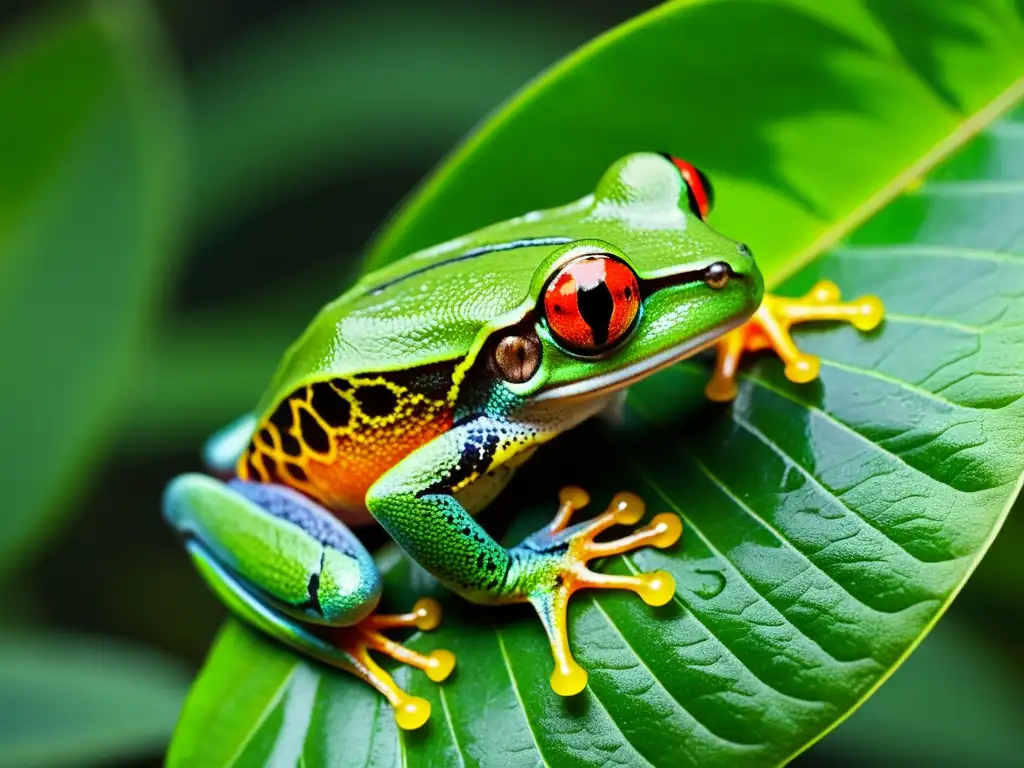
(842, 228)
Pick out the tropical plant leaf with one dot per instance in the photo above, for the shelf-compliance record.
(78, 701)
(827, 525)
(804, 130)
(90, 152)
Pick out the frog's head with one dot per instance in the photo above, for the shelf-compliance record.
(655, 285)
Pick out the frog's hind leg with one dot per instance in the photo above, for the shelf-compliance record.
(290, 569)
(769, 329)
(567, 550)
(346, 648)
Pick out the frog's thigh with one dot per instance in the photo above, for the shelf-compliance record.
(282, 549)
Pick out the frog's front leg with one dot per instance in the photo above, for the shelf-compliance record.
(769, 329)
(416, 503)
(292, 570)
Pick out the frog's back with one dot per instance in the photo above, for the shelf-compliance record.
(430, 313)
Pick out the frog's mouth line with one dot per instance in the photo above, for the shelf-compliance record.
(609, 382)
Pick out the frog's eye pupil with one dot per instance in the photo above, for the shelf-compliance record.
(591, 303)
(698, 187)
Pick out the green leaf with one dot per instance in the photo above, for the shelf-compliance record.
(78, 701)
(88, 205)
(828, 525)
(806, 116)
(351, 88)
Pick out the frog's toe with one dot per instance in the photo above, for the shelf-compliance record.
(357, 641)
(556, 559)
(769, 329)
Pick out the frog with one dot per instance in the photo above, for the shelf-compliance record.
(411, 400)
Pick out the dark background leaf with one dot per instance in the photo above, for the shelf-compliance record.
(80, 700)
(87, 220)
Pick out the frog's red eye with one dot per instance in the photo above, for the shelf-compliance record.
(591, 303)
(702, 195)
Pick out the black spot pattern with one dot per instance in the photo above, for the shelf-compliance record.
(254, 471)
(312, 433)
(477, 452)
(330, 406)
(313, 587)
(376, 400)
(282, 419)
(273, 471)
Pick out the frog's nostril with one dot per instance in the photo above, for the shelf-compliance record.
(744, 250)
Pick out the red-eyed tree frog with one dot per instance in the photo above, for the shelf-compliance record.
(411, 399)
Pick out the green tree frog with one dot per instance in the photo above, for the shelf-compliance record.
(413, 397)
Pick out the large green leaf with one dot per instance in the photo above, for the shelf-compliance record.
(806, 115)
(78, 701)
(88, 202)
(827, 525)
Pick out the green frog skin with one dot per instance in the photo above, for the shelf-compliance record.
(412, 398)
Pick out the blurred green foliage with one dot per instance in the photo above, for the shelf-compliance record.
(148, 284)
(88, 213)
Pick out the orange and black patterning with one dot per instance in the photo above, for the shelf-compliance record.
(332, 439)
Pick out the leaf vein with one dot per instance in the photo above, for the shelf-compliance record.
(732, 567)
(843, 426)
(901, 383)
(925, 252)
(700, 723)
(790, 461)
(451, 725)
(519, 696)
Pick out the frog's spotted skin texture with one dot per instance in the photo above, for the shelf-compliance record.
(332, 439)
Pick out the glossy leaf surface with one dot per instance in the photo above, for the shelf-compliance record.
(86, 221)
(827, 525)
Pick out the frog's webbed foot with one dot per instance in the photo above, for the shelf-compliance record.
(358, 640)
(552, 565)
(769, 329)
